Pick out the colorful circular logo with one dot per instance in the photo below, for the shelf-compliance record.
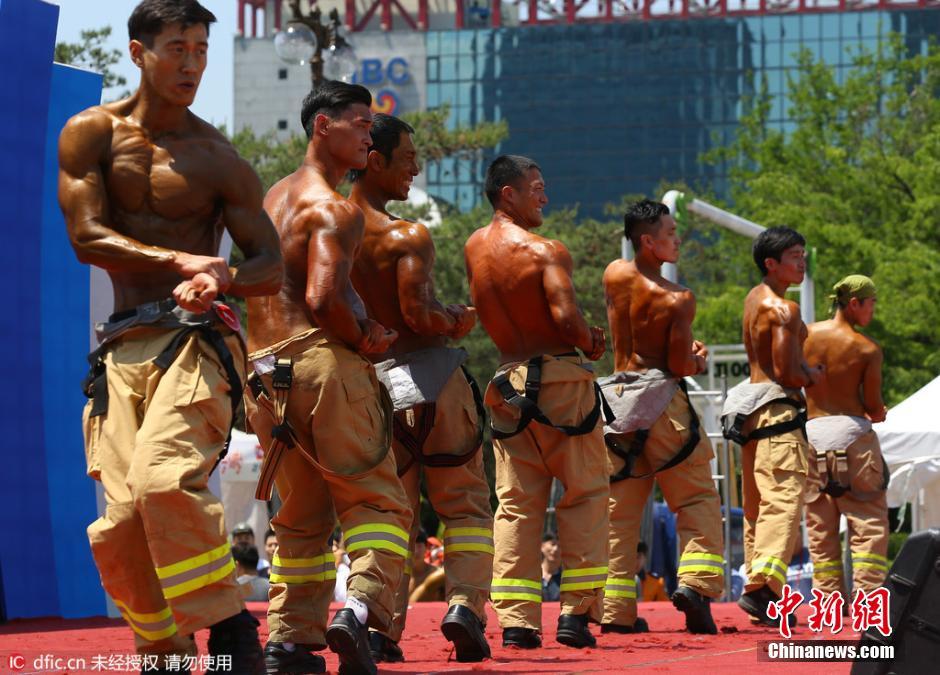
(385, 101)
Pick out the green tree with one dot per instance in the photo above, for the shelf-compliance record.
(91, 53)
(859, 176)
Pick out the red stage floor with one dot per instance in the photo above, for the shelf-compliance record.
(668, 649)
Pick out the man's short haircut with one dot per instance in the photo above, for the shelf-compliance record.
(641, 548)
(421, 537)
(506, 170)
(269, 533)
(246, 556)
(150, 16)
(386, 136)
(772, 242)
(331, 98)
(643, 217)
(549, 536)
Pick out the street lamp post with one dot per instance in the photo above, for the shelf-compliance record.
(306, 38)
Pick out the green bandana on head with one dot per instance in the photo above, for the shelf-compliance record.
(853, 286)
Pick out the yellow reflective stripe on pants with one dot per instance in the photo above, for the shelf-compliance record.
(701, 562)
(583, 579)
(151, 626)
(302, 570)
(620, 588)
(477, 539)
(827, 568)
(871, 565)
(516, 589)
(196, 572)
(774, 567)
(872, 560)
(377, 535)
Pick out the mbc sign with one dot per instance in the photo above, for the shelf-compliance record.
(372, 72)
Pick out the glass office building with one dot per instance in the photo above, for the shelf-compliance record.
(609, 109)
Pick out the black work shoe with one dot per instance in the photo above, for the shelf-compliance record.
(462, 627)
(756, 603)
(573, 631)
(384, 649)
(697, 609)
(236, 637)
(639, 626)
(350, 640)
(278, 660)
(521, 638)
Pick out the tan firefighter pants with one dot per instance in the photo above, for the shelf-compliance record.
(340, 467)
(867, 520)
(690, 493)
(525, 466)
(461, 497)
(773, 476)
(161, 546)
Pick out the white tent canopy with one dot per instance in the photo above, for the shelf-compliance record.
(910, 442)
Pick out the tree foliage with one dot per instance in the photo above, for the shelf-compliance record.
(91, 53)
(859, 176)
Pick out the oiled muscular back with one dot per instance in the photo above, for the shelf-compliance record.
(385, 242)
(640, 311)
(763, 310)
(846, 355)
(299, 205)
(505, 264)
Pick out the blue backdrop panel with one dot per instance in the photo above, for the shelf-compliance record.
(64, 313)
(27, 43)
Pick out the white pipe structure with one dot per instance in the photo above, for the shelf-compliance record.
(743, 227)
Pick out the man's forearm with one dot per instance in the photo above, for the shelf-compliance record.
(261, 274)
(338, 320)
(117, 253)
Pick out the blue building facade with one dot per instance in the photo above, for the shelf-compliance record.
(618, 108)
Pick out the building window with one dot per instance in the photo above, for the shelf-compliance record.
(282, 124)
(282, 74)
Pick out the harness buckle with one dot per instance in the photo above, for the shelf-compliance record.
(283, 374)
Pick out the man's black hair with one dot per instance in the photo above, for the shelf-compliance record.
(331, 98)
(269, 533)
(386, 136)
(421, 537)
(246, 556)
(506, 170)
(772, 242)
(641, 548)
(549, 536)
(150, 16)
(642, 218)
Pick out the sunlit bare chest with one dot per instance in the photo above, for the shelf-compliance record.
(168, 178)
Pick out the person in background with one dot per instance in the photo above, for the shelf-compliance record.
(652, 586)
(246, 573)
(551, 568)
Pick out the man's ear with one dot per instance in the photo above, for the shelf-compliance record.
(505, 194)
(136, 49)
(645, 240)
(771, 264)
(376, 161)
(321, 123)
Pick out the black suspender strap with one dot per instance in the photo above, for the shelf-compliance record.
(798, 422)
(217, 342)
(638, 442)
(528, 404)
(414, 442)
